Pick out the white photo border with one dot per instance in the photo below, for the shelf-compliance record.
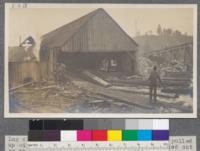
(7, 114)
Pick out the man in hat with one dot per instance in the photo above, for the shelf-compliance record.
(154, 78)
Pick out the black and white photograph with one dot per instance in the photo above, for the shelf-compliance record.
(100, 60)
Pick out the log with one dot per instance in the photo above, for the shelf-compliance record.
(177, 90)
(137, 82)
(130, 82)
(176, 79)
(124, 100)
(176, 83)
(134, 77)
(179, 74)
(142, 91)
(20, 86)
(49, 87)
(96, 78)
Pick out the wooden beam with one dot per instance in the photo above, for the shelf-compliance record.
(96, 78)
(20, 86)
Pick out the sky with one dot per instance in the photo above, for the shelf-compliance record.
(39, 21)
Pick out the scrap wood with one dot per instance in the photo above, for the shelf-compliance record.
(23, 85)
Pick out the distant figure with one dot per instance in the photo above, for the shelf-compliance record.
(154, 78)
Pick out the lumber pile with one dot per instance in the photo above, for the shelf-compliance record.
(182, 74)
(178, 82)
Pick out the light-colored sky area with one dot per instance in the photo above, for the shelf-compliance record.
(38, 21)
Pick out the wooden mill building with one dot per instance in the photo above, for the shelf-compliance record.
(86, 42)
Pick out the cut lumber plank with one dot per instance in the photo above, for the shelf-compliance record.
(96, 78)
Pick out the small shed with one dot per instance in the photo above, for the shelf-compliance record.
(94, 41)
(23, 66)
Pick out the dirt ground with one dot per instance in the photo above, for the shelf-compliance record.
(81, 96)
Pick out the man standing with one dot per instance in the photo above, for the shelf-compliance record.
(154, 78)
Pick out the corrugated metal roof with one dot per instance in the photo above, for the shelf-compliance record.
(59, 37)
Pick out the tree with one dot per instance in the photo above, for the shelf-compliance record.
(167, 31)
(159, 30)
(177, 33)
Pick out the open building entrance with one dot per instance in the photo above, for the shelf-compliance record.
(98, 61)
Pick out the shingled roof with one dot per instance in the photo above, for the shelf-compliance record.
(60, 37)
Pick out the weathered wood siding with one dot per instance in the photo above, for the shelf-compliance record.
(100, 34)
(18, 72)
(48, 60)
(78, 42)
(105, 34)
(44, 70)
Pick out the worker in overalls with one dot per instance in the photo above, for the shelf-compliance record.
(154, 78)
